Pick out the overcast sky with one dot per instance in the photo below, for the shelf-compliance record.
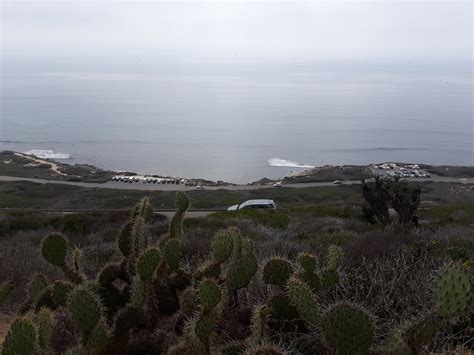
(72, 32)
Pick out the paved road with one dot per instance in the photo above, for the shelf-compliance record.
(172, 187)
(167, 212)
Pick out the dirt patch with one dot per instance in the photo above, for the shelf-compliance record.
(38, 161)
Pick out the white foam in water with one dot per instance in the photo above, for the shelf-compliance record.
(47, 154)
(287, 163)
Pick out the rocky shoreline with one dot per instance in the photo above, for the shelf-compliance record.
(24, 165)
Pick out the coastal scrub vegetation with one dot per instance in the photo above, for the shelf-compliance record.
(307, 280)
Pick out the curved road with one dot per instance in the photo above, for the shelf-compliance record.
(172, 187)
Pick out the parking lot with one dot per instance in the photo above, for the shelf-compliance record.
(147, 180)
(400, 170)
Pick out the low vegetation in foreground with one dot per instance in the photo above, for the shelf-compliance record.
(319, 279)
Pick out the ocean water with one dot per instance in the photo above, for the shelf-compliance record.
(238, 128)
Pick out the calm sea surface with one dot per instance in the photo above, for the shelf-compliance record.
(237, 128)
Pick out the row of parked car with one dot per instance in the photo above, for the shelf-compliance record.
(149, 180)
(405, 174)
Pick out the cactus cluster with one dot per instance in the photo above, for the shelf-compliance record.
(147, 301)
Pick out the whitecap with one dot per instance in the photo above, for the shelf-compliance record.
(287, 163)
(47, 154)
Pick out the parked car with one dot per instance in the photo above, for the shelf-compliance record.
(277, 184)
(254, 204)
(200, 187)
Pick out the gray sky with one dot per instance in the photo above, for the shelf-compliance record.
(73, 32)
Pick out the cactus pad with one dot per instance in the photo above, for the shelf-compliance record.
(209, 294)
(303, 299)
(281, 308)
(348, 329)
(54, 249)
(205, 325)
(334, 257)
(85, 309)
(21, 338)
(61, 291)
(277, 271)
(45, 323)
(137, 298)
(182, 202)
(222, 246)
(329, 278)
(147, 263)
(97, 339)
(311, 279)
(241, 272)
(36, 286)
(454, 291)
(124, 239)
(258, 325)
(171, 254)
(307, 262)
(422, 332)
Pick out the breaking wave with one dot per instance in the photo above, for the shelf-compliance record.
(287, 163)
(47, 154)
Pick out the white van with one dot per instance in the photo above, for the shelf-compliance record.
(254, 204)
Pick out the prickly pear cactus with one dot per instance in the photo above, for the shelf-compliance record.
(182, 202)
(60, 292)
(303, 299)
(21, 338)
(258, 326)
(222, 246)
(348, 329)
(209, 294)
(281, 308)
(138, 237)
(422, 332)
(307, 262)
(205, 325)
(137, 298)
(334, 257)
(54, 249)
(454, 291)
(124, 239)
(241, 272)
(85, 309)
(143, 209)
(97, 339)
(277, 271)
(147, 263)
(311, 279)
(36, 286)
(329, 278)
(45, 324)
(172, 253)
